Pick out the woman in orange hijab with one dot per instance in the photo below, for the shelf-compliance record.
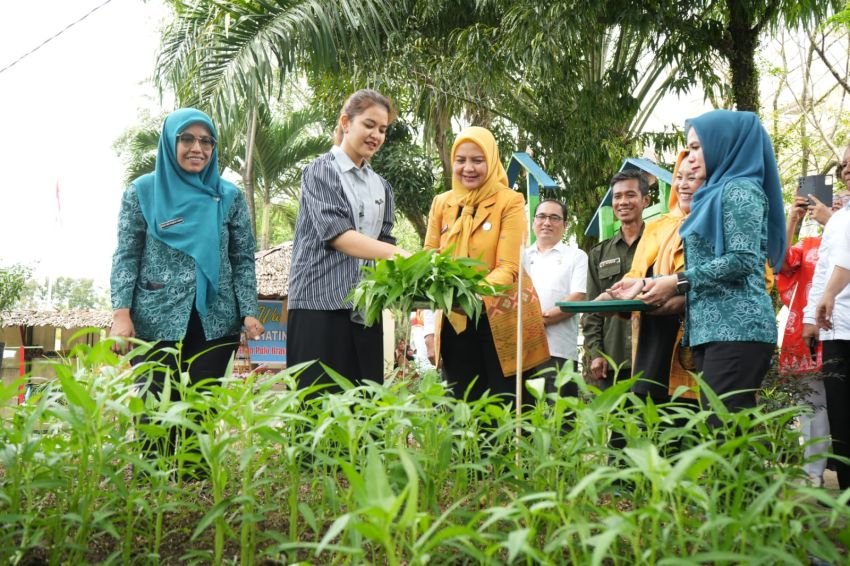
(656, 335)
(481, 218)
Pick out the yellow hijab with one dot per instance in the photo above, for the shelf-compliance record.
(496, 180)
(660, 247)
(670, 255)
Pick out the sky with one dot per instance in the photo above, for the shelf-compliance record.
(61, 110)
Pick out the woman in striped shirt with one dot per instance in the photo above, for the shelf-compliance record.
(344, 221)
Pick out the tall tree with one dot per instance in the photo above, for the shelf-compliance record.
(734, 29)
(573, 82)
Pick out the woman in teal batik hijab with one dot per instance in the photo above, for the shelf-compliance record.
(735, 230)
(183, 270)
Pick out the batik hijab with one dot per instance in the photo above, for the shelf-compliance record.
(186, 210)
(735, 146)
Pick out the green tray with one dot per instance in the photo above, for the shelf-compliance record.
(604, 306)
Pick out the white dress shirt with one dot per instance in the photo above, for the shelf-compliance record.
(557, 273)
(834, 250)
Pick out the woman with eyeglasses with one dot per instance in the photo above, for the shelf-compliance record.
(345, 220)
(482, 218)
(183, 269)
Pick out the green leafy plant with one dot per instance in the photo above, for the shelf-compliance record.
(398, 473)
(426, 279)
(12, 281)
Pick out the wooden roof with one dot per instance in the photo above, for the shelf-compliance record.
(79, 318)
(272, 283)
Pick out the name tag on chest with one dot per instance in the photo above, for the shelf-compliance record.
(610, 268)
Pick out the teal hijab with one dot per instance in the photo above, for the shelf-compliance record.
(185, 210)
(735, 146)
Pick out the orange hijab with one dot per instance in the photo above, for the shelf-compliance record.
(671, 246)
(496, 180)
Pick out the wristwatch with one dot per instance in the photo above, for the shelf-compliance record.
(682, 284)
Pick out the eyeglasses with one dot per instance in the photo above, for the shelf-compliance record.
(188, 140)
(553, 218)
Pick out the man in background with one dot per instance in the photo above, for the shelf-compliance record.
(608, 261)
(559, 273)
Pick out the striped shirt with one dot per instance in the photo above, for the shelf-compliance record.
(320, 277)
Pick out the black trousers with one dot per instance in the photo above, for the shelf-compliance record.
(737, 367)
(470, 362)
(210, 363)
(212, 355)
(351, 349)
(656, 344)
(836, 368)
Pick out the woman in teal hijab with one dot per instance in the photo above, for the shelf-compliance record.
(183, 269)
(736, 226)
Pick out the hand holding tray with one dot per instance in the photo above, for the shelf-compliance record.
(604, 306)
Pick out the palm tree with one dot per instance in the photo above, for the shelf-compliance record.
(219, 54)
(281, 148)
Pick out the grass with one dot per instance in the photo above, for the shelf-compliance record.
(399, 473)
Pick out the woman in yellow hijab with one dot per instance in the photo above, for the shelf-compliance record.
(481, 218)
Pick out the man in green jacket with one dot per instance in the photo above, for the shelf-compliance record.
(608, 261)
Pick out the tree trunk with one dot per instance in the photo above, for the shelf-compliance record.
(806, 106)
(248, 169)
(444, 150)
(420, 224)
(741, 54)
(265, 227)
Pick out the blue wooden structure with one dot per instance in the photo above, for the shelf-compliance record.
(604, 224)
(536, 180)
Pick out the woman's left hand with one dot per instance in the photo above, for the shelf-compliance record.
(253, 328)
(659, 290)
(627, 289)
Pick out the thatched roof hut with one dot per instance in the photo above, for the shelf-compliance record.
(272, 283)
(273, 271)
(68, 319)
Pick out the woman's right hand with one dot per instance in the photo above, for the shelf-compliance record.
(627, 289)
(122, 327)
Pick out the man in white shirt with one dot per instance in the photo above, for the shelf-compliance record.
(559, 273)
(833, 254)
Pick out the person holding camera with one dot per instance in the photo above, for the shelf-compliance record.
(796, 358)
(835, 341)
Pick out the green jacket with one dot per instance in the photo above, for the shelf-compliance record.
(607, 262)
